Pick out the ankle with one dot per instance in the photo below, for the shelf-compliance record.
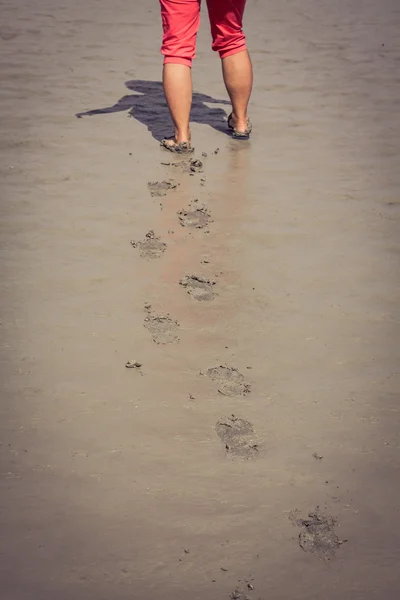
(240, 121)
(182, 135)
(240, 114)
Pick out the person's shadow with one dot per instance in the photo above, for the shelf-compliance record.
(148, 106)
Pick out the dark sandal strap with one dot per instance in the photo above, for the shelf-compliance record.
(240, 134)
(179, 148)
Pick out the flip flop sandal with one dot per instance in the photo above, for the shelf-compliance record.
(240, 135)
(179, 148)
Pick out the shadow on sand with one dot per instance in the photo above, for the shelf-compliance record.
(148, 106)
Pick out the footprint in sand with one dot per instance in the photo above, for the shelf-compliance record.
(196, 166)
(200, 288)
(162, 328)
(191, 166)
(318, 534)
(151, 246)
(238, 436)
(197, 218)
(230, 381)
(160, 188)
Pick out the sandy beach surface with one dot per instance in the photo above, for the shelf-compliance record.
(137, 483)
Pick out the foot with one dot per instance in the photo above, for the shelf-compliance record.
(173, 145)
(241, 128)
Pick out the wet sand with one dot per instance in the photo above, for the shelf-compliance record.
(123, 483)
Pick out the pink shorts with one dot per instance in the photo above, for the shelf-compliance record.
(181, 21)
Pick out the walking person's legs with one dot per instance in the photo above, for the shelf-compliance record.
(181, 21)
(226, 20)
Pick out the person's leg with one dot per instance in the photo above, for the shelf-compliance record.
(177, 82)
(181, 20)
(238, 77)
(226, 19)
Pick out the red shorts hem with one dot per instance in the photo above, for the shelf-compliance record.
(177, 60)
(226, 53)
